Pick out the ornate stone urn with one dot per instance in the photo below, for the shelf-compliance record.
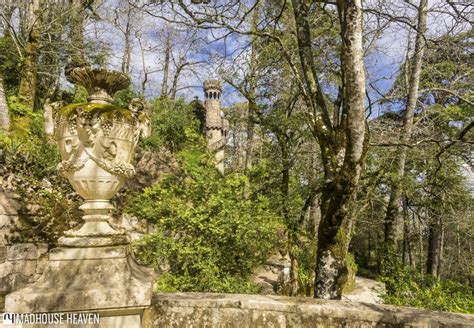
(93, 268)
(97, 141)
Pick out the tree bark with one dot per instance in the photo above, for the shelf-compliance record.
(252, 101)
(4, 110)
(406, 255)
(29, 67)
(127, 48)
(392, 217)
(77, 34)
(291, 229)
(340, 186)
(4, 113)
(343, 146)
(177, 73)
(434, 248)
(166, 67)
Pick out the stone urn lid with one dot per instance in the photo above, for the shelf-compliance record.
(100, 83)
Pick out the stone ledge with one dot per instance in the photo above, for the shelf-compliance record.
(237, 310)
(84, 284)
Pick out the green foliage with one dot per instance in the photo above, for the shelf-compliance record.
(124, 97)
(205, 231)
(17, 108)
(173, 126)
(80, 94)
(49, 205)
(209, 283)
(9, 66)
(352, 271)
(306, 256)
(208, 234)
(24, 121)
(408, 288)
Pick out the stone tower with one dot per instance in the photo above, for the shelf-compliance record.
(215, 125)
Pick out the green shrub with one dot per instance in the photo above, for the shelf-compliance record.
(174, 126)
(408, 288)
(28, 162)
(209, 236)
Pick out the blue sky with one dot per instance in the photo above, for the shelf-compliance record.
(382, 62)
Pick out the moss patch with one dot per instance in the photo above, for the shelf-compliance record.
(102, 109)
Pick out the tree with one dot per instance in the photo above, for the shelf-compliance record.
(342, 143)
(393, 208)
(30, 54)
(4, 115)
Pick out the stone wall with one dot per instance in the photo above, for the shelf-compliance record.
(234, 310)
(20, 264)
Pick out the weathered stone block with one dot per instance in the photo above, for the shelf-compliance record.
(228, 317)
(3, 253)
(249, 311)
(25, 267)
(8, 205)
(7, 222)
(11, 282)
(41, 264)
(25, 251)
(270, 319)
(6, 269)
(85, 283)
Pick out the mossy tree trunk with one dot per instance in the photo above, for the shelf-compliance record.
(342, 140)
(29, 59)
(4, 109)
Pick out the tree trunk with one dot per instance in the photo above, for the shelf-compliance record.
(441, 251)
(392, 217)
(29, 73)
(434, 248)
(174, 86)
(406, 258)
(252, 102)
(77, 34)
(291, 229)
(4, 114)
(8, 9)
(127, 51)
(166, 67)
(252, 107)
(339, 188)
(343, 146)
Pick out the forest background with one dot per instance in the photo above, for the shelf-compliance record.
(349, 148)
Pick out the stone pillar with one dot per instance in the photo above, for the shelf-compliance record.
(92, 269)
(216, 125)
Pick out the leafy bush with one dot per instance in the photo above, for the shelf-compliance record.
(409, 288)
(174, 126)
(28, 168)
(9, 65)
(206, 233)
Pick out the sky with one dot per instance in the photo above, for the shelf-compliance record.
(382, 61)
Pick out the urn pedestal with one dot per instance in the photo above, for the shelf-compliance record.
(93, 270)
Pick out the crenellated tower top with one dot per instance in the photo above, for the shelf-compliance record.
(212, 89)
